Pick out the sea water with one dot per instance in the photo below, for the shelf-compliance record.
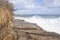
(49, 23)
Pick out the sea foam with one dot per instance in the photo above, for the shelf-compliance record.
(48, 24)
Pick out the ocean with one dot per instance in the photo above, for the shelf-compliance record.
(50, 23)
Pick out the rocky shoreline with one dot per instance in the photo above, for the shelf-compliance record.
(30, 31)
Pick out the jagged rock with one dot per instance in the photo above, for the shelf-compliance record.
(30, 31)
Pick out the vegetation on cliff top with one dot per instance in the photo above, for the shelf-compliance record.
(6, 4)
(6, 20)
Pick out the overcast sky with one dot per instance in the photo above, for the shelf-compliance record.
(37, 6)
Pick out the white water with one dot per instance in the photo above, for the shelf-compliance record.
(48, 24)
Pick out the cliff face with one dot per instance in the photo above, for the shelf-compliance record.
(30, 31)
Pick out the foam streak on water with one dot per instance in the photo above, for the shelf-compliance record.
(48, 24)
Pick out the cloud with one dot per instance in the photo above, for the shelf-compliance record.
(56, 3)
(24, 4)
(37, 6)
(52, 3)
(12, 1)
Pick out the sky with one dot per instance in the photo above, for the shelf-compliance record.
(36, 6)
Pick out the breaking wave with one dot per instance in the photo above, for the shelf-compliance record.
(48, 24)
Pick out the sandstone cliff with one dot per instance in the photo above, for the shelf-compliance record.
(30, 31)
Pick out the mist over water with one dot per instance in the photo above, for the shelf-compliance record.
(48, 23)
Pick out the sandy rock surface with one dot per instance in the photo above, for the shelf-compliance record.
(30, 31)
